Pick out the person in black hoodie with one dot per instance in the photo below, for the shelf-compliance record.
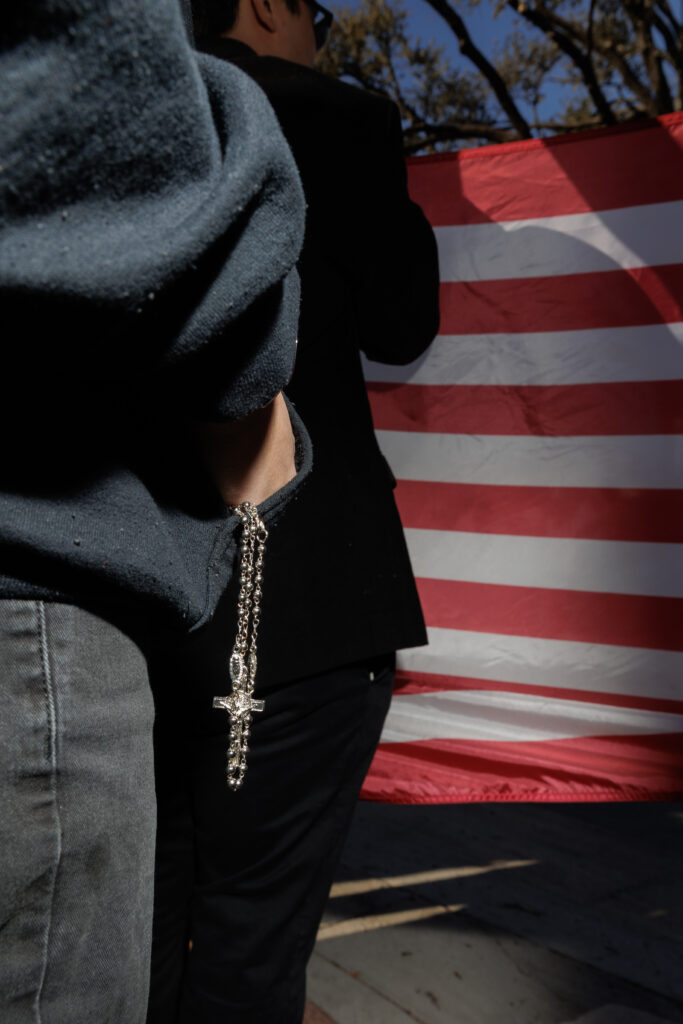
(245, 875)
(150, 219)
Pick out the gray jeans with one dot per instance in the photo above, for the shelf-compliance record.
(77, 818)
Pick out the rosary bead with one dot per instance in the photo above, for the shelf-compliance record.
(241, 702)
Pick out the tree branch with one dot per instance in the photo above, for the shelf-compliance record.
(672, 48)
(591, 22)
(673, 39)
(388, 56)
(664, 7)
(435, 133)
(469, 50)
(579, 126)
(543, 20)
(641, 19)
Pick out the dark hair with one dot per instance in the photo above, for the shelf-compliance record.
(214, 17)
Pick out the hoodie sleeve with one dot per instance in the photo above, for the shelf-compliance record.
(150, 215)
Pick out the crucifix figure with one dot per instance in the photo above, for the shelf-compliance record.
(239, 705)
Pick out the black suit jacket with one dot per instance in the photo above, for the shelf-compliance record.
(338, 585)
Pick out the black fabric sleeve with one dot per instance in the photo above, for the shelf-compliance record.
(150, 219)
(348, 148)
(397, 278)
(151, 215)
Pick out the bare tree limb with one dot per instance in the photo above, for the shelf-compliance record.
(619, 55)
(591, 23)
(560, 127)
(435, 133)
(665, 8)
(386, 49)
(609, 51)
(672, 48)
(473, 53)
(540, 18)
(560, 30)
(642, 20)
(673, 40)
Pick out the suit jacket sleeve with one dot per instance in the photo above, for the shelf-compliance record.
(348, 147)
(397, 280)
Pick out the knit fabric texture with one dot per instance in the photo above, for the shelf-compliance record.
(151, 216)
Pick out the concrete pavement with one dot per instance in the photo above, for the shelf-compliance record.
(505, 914)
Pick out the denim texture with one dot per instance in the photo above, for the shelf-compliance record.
(77, 818)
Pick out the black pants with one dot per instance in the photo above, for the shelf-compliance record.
(244, 876)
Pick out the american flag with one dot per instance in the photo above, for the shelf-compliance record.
(538, 450)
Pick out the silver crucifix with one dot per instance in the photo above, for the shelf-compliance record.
(239, 705)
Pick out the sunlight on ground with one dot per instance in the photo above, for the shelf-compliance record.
(351, 926)
(364, 885)
(337, 929)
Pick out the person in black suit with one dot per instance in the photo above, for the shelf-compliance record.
(245, 875)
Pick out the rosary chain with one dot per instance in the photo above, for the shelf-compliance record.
(244, 655)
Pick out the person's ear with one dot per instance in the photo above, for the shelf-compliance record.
(264, 14)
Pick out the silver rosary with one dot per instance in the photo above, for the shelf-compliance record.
(240, 704)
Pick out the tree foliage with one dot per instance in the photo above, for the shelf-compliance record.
(615, 61)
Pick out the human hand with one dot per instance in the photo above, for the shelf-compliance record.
(251, 458)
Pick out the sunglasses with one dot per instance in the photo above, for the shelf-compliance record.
(322, 20)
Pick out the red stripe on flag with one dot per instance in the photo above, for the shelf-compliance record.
(591, 513)
(567, 410)
(553, 177)
(408, 682)
(568, 302)
(582, 769)
(628, 620)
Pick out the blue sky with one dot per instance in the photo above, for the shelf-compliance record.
(486, 32)
(484, 28)
(428, 25)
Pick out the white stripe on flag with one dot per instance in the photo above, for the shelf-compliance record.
(605, 356)
(560, 664)
(514, 718)
(602, 566)
(579, 243)
(634, 462)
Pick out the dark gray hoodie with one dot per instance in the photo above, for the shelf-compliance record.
(150, 219)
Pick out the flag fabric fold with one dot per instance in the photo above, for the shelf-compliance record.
(538, 450)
